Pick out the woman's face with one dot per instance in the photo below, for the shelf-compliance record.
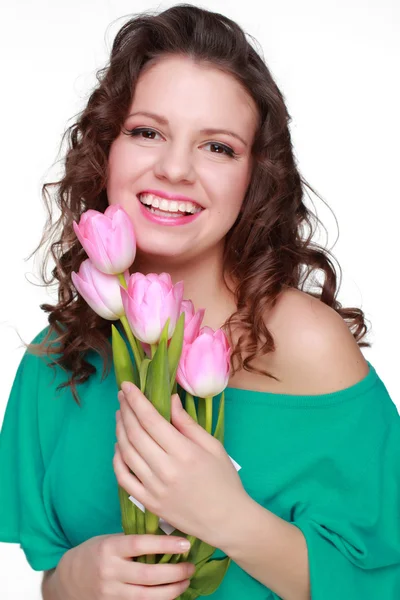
(175, 156)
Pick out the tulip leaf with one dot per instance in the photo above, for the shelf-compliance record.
(188, 594)
(200, 552)
(219, 428)
(157, 388)
(207, 579)
(143, 373)
(209, 576)
(125, 369)
(164, 333)
(175, 348)
(209, 573)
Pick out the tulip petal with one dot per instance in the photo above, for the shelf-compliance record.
(205, 365)
(91, 297)
(154, 297)
(112, 210)
(108, 288)
(148, 302)
(121, 244)
(199, 361)
(188, 308)
(181, 373)
(192, 328)
(95, 234)
(108, 238)
(78, 234)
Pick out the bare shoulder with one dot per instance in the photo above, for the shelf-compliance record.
(316, 352)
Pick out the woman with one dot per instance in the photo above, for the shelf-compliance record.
(187, 107)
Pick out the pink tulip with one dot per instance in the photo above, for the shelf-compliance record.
(204, 366)
(192, 324)
(192, 321)
(108, 239)
(148, 302)
(101, 291)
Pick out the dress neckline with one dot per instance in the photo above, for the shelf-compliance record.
(305, 400)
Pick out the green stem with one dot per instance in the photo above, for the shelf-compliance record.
(132, 341)
(141, 530)
(151, 520)
(137, 350)
(190, 406)
(128, 512)
(209, 407)
(151, 527)
(122, 280)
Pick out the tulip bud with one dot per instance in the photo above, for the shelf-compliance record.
(108, 239)
(149, 301)
(192, 321)
(101, 291)
(204, 367)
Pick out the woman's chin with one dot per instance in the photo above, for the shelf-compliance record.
(160, 252)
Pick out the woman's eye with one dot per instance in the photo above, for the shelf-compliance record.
(137, 132)
(228, 151)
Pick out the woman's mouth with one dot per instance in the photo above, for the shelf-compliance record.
(177, 216)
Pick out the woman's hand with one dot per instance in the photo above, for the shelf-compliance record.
(181, 473)
(102, 569)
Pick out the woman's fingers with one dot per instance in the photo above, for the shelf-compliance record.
(138, 573)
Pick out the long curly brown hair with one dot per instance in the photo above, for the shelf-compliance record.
(268, 248)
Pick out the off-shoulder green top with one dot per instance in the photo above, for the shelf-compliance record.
(329, 464)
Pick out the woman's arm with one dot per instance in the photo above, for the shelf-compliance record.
(49, 586)
(270, 549)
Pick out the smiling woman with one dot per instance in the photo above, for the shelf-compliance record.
(181, 159)
(188, 131)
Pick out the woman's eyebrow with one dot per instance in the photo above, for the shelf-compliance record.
(208, 131)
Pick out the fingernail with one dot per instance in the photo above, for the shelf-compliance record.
(185, 545)
(126, 387)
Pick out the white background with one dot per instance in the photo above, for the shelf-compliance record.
(336, 63)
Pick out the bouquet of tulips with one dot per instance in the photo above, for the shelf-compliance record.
(168, 347)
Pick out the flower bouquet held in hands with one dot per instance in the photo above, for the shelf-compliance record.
(169, 347)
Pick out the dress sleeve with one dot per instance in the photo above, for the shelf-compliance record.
(352, 521)
(26, 515)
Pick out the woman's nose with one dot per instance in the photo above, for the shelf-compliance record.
(176, 164)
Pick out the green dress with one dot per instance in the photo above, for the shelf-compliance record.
(329, 464)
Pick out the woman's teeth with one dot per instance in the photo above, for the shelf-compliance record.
(167, 208)
(165, 213)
